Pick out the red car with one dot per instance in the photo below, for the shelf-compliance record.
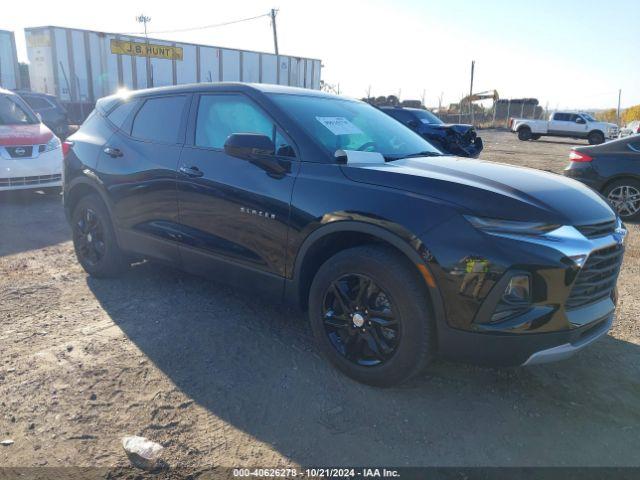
(30, 154)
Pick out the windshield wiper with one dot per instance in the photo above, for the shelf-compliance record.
(426, 153)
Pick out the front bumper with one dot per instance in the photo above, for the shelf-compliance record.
(41, 170)
(567, 350)
(473, 269)
(505, 350)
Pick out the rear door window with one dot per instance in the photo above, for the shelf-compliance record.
(561, 117)
(159, 119)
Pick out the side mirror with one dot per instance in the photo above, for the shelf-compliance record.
(248, 146)
(580, 120)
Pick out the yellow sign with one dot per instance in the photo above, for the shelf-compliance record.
(140, 49)
(35, 40)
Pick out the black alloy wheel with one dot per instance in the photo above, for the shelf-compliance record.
(371, 316)
(94, 239)
(88, 235)
(359, 320)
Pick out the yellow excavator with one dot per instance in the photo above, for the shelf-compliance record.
(489, 94)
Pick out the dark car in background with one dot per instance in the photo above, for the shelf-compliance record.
(453, 139)
(612, 169)
(51, 111)
(398, 252)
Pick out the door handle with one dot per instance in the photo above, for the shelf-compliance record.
(113, 152)
(191, 171)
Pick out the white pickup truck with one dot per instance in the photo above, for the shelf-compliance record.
(564, 124)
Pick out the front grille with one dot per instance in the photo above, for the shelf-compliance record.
(597, 279)
(20, 152)
(22, 181)
(597, 229)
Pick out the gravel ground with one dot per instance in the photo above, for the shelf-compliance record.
(223, 379)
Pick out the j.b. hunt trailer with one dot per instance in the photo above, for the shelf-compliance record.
(9, 73)
(80, 66)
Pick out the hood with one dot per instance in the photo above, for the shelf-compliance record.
(456, 127)
(34, 134)
(490, 189)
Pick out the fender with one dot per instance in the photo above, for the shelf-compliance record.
(407, 243)
(89, 179)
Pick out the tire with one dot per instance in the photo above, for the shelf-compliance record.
(395, 293)
(596, 138)
(524, 134)
(94, 239)
(536, 136)
(628, 208)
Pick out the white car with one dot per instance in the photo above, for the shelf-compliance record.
(632, 128)
(30, 154)
(565, 124)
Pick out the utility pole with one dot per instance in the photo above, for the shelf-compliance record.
(473, 65)
(618, 111)
(275, 31)
(142, 18)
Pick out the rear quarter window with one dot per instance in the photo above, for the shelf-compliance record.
(121, 113)
(159, 119)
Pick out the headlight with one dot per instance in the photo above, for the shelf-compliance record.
(496, 225)
(52, 144)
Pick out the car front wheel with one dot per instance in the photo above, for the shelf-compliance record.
(370, 316)
(596, 138)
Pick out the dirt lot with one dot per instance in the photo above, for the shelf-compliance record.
(222, 379)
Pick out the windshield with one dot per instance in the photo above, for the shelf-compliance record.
(338, 123)
(426, 116)
(12, 113)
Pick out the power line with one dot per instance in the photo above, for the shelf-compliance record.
(204, 27)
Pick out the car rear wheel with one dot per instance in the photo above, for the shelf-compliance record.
(624, 196)
(525, 134)
(94, 239)
(370, 316)
(595, 138)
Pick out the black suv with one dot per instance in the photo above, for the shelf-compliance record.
(397, 252)
(451, 138)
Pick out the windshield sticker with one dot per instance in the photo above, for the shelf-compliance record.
(339, 125)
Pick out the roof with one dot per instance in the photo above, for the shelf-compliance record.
(208, 87)
(400, 107)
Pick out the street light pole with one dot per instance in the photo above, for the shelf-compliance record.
(142, 18)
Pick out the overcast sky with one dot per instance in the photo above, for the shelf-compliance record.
(567, 53)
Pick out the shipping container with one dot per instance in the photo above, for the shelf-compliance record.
(80, 66)
(9, 71)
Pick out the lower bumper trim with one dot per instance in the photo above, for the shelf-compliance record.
(564, 351)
